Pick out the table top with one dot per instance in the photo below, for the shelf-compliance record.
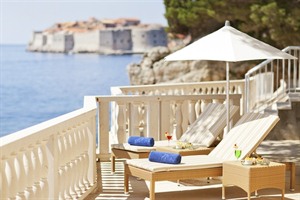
(239, 164)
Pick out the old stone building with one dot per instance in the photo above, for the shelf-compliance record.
(99, 36)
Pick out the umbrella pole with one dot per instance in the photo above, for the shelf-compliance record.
(227, 97)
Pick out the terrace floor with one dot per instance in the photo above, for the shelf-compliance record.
(111, 185)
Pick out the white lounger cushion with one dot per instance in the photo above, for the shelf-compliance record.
(129, 147)
(209, 125)
(161, 143)
(248, 133)
(187, 162)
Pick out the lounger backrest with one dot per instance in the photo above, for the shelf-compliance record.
(247, 134)
(209, 125)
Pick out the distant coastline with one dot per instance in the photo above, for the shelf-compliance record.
(107, 36)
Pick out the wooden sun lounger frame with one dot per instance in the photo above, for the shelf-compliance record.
(175, 175)
(152, 177)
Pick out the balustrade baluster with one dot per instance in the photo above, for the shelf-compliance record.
(4, 178)
(42, 153)
(68, 157)
(178, 115)
(20, 174)
(81, 159)
(141, 118)
(11, 177)
(134, 119)
(77, 161)
(197, 108)
(192, 111)
(86, 182)
(61, 172)
(28, 166)
(37, 167)
(72, 163)
(121, 123)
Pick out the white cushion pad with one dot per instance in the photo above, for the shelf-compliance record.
(187, 162)
(160, 143)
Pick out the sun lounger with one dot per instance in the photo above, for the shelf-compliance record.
(248, 133)
(202, 133)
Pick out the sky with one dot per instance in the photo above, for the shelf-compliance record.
(19, 18)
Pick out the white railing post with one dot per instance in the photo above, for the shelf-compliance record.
(103, 130)
(153, 115)
(178, 119)
(121, 122)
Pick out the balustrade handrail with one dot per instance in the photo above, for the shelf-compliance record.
(28, 135)
(137, 98)
(272, 73)
(191, 87)
(263, 64)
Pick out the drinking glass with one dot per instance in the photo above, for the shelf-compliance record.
(237, 153)
(169, 137)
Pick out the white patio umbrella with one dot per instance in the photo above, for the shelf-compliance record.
(230, 45)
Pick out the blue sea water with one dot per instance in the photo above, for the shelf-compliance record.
(35, 87)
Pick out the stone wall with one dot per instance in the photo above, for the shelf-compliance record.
(86, 42)
(116, 40)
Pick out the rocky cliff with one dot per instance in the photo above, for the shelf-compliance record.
(154, 70)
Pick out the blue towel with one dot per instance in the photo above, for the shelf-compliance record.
(163, 157)
(141, 141)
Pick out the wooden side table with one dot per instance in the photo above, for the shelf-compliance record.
(254, 177)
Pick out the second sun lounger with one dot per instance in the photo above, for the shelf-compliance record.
(203, 132)
(249, 132)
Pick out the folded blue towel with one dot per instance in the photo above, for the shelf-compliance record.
(141, 141)
(163, 157)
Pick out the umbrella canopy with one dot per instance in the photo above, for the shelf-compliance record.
(230, 45)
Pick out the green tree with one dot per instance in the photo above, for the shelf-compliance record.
(276, 22)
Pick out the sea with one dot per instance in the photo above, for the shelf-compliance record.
(35, 87)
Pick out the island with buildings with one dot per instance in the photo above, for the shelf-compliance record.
(106, 36)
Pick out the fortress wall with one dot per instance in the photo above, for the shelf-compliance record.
(108, 41)
(86, 42)
(61, 43)
(49, 42)
(69, 42)
(144, 39)
(122, 39)
(115, 40)
(38, 41)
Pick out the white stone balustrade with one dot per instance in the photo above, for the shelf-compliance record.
(52, 159)
(149, 115)
(210, 87)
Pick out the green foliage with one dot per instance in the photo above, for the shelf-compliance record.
(276, 22)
